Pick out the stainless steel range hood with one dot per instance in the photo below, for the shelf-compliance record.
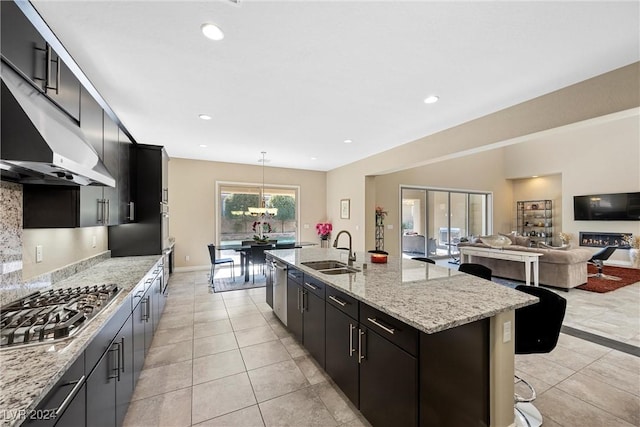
(40, 143)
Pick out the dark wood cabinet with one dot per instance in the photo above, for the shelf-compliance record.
(27, 51)
(124, 380)
(269, 281)
(68, 391)
(313, 324)
(388, 382)
(341, 362)
(138, 320)
(150, 235)
(294, 308)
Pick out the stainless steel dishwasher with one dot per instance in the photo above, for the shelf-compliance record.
(280, 290)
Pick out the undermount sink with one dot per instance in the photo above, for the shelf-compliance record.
(323, 265)
(330, 267)
(342, 270)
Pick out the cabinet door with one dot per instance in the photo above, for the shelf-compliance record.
(269, 286)
(20, 43)
(147, 310)
(69, 386)
(313, 325)
(111, 159)
(294, 314)
(388, 383)
(139, 323)
(341, 362)
(101, 390)
(124, 382)
(91, 212)
(68, 94)
(124, 184)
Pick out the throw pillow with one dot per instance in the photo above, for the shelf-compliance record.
(522, 241)
(510, 236)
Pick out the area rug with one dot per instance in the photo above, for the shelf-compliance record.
(226, 284)
(627, 277)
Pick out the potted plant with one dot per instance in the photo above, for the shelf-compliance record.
(634, 249)
(261, 228)
(324, 231)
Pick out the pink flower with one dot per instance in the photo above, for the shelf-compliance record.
(324, 229)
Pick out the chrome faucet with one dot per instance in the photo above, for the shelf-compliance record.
(352, 255)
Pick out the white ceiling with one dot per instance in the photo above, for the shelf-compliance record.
(297, 78)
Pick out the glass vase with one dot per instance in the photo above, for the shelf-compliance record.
(324, 243)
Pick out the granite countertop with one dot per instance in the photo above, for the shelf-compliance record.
(429, 297)
(28, 373)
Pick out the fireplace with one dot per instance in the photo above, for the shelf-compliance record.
(600, 240)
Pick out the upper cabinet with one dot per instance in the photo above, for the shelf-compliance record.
(28, 52)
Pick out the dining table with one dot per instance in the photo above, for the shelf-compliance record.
(245, 249)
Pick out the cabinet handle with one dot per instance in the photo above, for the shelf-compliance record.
(315, 288)
(132, 211)
(304, 293)
(377, 323)
(100, 211)
(361, 356)
(351, 349)
(70, 396)
(122, 351)
(107, 209)
(298, 299)
(337, 301)
(115, 347)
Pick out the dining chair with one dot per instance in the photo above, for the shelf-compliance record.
(285, 245)
(423, 259)
(217, 261)
(478, 270)
(258, 257)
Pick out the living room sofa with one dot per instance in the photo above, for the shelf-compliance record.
(560, 268)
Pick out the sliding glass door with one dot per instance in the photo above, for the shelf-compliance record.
(434, 221)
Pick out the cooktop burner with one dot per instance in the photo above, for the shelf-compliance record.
(50, 315)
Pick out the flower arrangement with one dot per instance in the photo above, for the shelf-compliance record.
(260, 228)
(380, 212)
(633, 242)
(565, 238)
(324, 230)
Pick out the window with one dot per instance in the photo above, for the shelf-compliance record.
(235, 221)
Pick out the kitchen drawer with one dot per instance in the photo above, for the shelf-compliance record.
(314, 285)
(295, 275)
(342, 302)
(399, 333)
(103, 339)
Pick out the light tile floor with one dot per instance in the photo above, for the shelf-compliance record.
(223, 359)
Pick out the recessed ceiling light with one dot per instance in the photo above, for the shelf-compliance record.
(534, 176)
(314, 158)
(348, 141)
(203, 146)
(212, 32)
(431, 99)
(205, 116)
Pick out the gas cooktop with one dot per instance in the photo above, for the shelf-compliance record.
(52, 315)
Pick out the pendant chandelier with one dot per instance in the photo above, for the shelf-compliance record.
(262, 210)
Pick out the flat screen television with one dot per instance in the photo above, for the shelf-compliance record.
(607, 207)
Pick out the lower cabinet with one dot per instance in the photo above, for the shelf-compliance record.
(110, 384)
(294, 310)
(341, 361)
(65, 403)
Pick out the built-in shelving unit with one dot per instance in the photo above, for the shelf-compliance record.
(535, 220)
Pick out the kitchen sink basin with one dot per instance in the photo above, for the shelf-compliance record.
(331, 267)
(342, 270)
(324, 265)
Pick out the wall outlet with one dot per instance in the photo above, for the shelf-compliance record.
(186, 258)
(94, 241)
(39, 253)
(389, 226)
(506, 332)
(357, 227)
(306, 226)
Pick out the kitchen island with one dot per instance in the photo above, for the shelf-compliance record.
(28, 373)
(443, 330)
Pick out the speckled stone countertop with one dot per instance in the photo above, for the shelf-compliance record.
(429, 297)
(28, 373)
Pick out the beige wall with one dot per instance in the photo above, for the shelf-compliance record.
(60, 247)
(601, 156)
(483, 172)
(192, 186)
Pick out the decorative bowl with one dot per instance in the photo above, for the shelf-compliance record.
(378, 258)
